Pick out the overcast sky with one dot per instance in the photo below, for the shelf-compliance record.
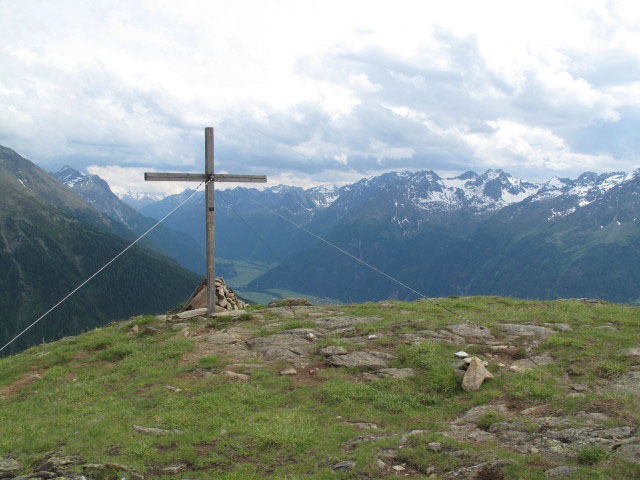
(321, 92)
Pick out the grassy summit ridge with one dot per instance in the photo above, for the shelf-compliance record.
(83, 395)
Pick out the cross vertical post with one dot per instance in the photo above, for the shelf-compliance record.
(210, 221)
(210, 178)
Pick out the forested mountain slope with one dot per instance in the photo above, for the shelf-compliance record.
(50, 241)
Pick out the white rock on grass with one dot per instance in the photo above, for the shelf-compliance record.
(198, 312)
(158, 432)
(461, 354)
(475, 376)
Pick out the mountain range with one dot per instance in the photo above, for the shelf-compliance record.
(489, 233)
(51, 240)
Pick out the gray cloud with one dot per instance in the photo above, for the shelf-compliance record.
(357, 109)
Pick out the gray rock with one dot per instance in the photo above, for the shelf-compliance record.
(594, 416)
(55, 462)
(344, 465)
(290, 302)
(38, 476)
(228, 313)
(288, 371)
(411, 338)
(197, 312)
(631, 353)
(475, 376)
(476, 414)
(561, 471)
(289, 345)
(434, 447)
(562, 327)
(580, 435)
(630, 450)
(395, 372)
(441, 336)
(342, 323)
(608, 328)
(470, 331)
(332, 350)
(412, 433)
(492, 469)
(388, 453)
(518, 330)
(9, 467)
(628, 383)
(522, 365)
(158, 432)
(508, 426)
(372, 360)
(542, 360)
(361, 425)
(240, 377)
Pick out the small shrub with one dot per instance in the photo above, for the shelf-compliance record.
(591, 454)
(533, 385)
(611, 368)
(489, 419)
(115, 353)
(520, 353)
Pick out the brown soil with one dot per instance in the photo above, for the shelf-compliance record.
(17, 385)
(305, 378)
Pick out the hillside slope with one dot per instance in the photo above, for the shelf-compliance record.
(50, 241)
(330, 392)
(96, 192)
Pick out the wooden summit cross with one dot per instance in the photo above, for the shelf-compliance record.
(209, 177)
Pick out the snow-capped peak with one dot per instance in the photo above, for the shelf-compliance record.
(69, 176)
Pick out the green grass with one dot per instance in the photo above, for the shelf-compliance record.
(83, 394)
(591, 454)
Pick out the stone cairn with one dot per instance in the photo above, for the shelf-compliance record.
(227, 298)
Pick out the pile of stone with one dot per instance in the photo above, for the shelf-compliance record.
(473, 371)
(227, 299)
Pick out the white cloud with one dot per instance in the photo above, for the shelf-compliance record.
(303, 90)
(515, 144)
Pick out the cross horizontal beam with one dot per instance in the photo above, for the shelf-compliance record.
(202, 177)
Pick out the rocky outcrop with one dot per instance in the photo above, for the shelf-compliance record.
(289, 302)
(226, 298)
(369, 360)
(9, 467)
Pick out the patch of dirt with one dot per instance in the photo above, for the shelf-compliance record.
(69, 377)
(204, 448)
(80, 354)
(16, 386)
(305, 378)
(612, 407)
(165, 448)
(113, 450)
